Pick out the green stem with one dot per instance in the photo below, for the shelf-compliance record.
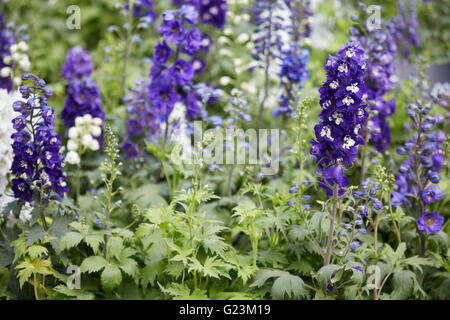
(331, 232)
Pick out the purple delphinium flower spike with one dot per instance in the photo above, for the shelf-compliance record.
(381, 50)
(419, 173)
(343, 115)
(37, 163)
(83, 94)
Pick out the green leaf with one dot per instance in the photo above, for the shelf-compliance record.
(36, 251)
(182, 292)
(290, 285)
(130, 267)
(93, 264)
(35, 234)
(285, 283)
(417, 262)
(150, 271)
(111, 277)
(114, 247)
(325, 273)
(403, 283)
(94, 242)
(79, 294)
(69, 240)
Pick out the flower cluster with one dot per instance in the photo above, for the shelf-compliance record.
(381, 50)
(405, 28)
(37, 163)
(6, 40)
(142, 9)
(18, 60)
(82, 137)
(143, 121)
(168, 81)
(294, 59)
(293, 73)
(343, 115)
(418, 175)
(268, 43)
(213, 12)
(6, 130)
(83, 93)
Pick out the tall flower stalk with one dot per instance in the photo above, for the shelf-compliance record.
(419, 175)
(37, 164)
(342, 117)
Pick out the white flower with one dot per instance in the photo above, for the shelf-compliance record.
(79, 121)
(17, 81)
(96, 131)
(87, 117)
(5, 72)
(97, 121)
(7, 60)
(72, 157)
(23, 46)
(73, 133)
(7, 113)
(356, 131)
(86, 140)
(94, 145)
(72, 145)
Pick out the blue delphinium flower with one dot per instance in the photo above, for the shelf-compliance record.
(170, 81)
(381, 50)
(142, 9)
(419, 173)
(293, 71)
(343, 115)
(143, 121)
(405, 27)
(6, 40)
(430, 222)
(213, 12)
(83, 93)
(37, 164)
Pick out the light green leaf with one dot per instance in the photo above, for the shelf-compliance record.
(93, 264)
(111, 277)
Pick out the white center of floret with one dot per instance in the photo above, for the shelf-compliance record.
(326, 132)
(338, 118)
(350, 52)
(343, 68)
(348, 142)
(353, 88)
(334, 84)
(348, 100)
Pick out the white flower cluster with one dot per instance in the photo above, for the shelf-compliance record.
(6, 130)
(19, 57)
(83, 137)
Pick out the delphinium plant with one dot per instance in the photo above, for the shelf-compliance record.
(37, 164)
(343, 115)
(381, 51)
(417, 183)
